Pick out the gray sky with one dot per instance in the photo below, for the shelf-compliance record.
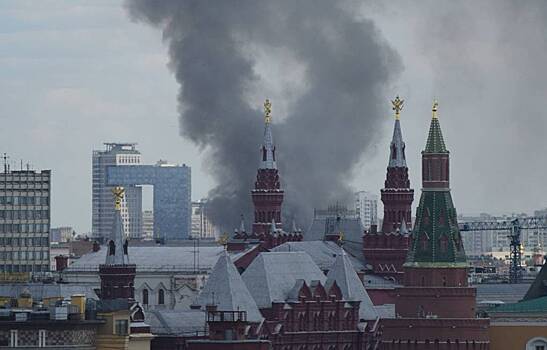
(74, 74)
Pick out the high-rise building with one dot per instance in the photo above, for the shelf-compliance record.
(120, 165)
(267, 194)
(366, 207)
(115, 154)
(172, 193)
(24, 221)
(202, 227)
(147, 224)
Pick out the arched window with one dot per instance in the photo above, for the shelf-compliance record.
(145, 296)
(537, 343)
(161, 297)
(111, 248)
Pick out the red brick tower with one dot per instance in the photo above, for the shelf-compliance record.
(117, 274)
(386, 251)
(267, 194)
(436, 307)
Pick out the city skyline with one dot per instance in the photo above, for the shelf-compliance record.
(126, 82)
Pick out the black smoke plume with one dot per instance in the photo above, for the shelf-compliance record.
(329, 125)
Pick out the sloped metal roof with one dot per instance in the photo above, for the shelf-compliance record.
(158, 258)
(323, 253)
(271, 276)
(117, 236)
(225, 289)
(397, 153)
(351, 286)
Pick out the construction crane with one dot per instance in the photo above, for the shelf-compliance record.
(514, 227)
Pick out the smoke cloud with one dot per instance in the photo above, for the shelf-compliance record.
(345, 66)
(488, 64)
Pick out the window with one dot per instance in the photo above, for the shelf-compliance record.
(538, 343)
(145, 296)
(42, 338)
(13, 338)
(111, 248)
(122, 327)
(161, 297)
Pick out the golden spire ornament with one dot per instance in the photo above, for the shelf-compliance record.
(267, 111)
(118, 193)
(435, 108)
(397, 106)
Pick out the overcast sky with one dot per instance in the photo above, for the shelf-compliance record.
(75, 74)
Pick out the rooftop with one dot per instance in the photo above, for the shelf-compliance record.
(225, 289)
(158, 259)
(323, 253)
(271, 276)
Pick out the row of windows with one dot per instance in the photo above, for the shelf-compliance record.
(24, 228)
(24, 200)
(24, 214)
(161, 297)
(21, 255)
(24, 241)
(10, 181)
(24, 268)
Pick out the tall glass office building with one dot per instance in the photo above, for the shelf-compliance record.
(172, 195)
(115, 154)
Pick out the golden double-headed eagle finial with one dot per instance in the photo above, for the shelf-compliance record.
(397, 106)
(435, 108)
(118, 193)
(267, 111)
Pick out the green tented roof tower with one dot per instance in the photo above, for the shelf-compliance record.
(436, 239)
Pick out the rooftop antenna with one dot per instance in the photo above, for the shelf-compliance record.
(5, 162)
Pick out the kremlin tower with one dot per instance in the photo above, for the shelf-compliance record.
(435, 308)
(267, 194)
(386, 250)
(267, 197)
(117, 274)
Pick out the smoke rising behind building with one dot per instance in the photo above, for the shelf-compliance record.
(346, 66)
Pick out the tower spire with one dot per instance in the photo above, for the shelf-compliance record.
(436, 237)
(117, 274)
(435, 141)
(397, 106)
(268, 147)
(397, 156)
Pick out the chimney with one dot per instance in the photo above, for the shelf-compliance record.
(61, 262)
